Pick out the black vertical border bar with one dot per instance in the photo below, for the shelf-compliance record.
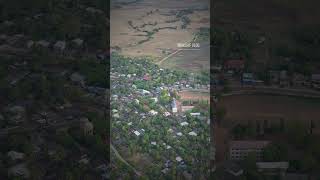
(107, 95)
(212, 103)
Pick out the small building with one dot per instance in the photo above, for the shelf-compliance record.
(235, 65)
(272, 168)
(239, 150)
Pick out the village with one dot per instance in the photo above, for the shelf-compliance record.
(152, 123)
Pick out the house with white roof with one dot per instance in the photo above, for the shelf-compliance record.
(136, 133)
(166, 114)
(153, 112)
(192, 133)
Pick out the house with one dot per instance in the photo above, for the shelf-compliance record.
(178, 158)
(272, 168)
(186, 108)
(146, 77)
(16, 114)
(153, 143)
(78, 78)
(296, 176)
(233, 168)
(153, 112)
(30, 44)
(43, 43)
(14, 156)
(283, 78)
(78, 42)
(315, 81)
(247, 78)
(137, 133)
(86, 126)
(116, 115)
(195, 114)
(94, 10)
(235, 65)
(239, 150)
(84, 159)
(145, 92)
(192, 133)
(102, 167)
(166, 114)
(179, 134)
(184, 123)
(298, 79)
(174, 106)
(216, 68)
(155, 99)
(59, 46)
(274, 77)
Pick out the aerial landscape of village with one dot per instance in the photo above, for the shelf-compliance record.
(53, 87)
(160, 89)
(265, 80)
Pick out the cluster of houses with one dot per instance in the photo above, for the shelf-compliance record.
(23, 41)
(172, 111)
(235, 69)
(240, 149)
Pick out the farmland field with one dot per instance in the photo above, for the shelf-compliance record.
(194, 95)
(246, 107)
(152, 28)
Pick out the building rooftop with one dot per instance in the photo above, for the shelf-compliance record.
(272, 165)
(248, 144)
